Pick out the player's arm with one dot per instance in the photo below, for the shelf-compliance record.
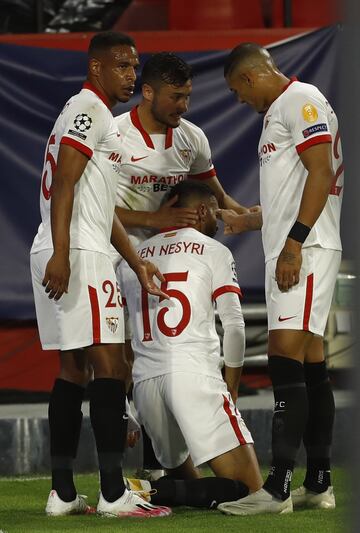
(70, 166)
(230, 313)
(225, 201)
(317, 161)
(235, 223)
(145, 270)
(165, 216)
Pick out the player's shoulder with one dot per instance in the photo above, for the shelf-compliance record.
(190, 129)
(300, 90)
(212, 246)
(123, 119)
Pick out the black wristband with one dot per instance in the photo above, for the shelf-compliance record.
(299, 232)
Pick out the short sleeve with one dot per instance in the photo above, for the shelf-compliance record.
(202, 167)
(86, 124)
(224, 274)
(305, 114)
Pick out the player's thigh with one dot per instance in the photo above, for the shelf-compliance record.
(304, 307)
(91, 312)
(46, 311)
(205, 412)
(239, 463)
(108, 361)
(160, 424)
(315, 350)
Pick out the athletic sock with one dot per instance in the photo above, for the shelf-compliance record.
(289, 419)
(109, 423)
(319, 428)
(65, 419)
(204, 492)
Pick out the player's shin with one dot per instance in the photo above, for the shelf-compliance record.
(109, 423)
(65, 418)
(318, 432)
(289, 419)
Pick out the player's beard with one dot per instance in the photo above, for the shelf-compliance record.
(159, 116)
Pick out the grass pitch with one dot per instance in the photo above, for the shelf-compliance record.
(22, 503)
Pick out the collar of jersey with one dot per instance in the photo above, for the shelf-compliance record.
(292, 79)
(103, 98)
(174, 228)
(134, 115)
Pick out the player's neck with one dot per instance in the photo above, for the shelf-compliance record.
(279, 83)
(148, 122)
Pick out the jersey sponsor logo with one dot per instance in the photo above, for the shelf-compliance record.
(82, 122)
(114, 156)
(309, 113)
(112, 323)
(168, 180)
(314, 129)
(134, 159)
(283, 318)
(77, 134)
(265, 153)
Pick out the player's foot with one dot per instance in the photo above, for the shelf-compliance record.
(149, 475)
(130, 504)
(303, 497)
(258, 502)
(57, 507)
(141, 486)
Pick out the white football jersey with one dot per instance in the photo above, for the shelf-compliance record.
(87, 124)
(151, 164)
(179, 334)
(299, 118)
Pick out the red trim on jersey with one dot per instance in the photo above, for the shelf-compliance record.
(103, 98)
(233, 420)
(203, 175)
(320, 139)
(308, 301)
(135, 119)
(169, 138)
(224, 289)
(78, 146)
(292, 79)
(95, 314)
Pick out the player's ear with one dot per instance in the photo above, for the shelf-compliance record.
(94, 67)
(202, 210)
(147, 92)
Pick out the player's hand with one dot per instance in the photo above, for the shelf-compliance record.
(288, 265)
(233, 221)
(57, 275)
(132, 438)
(255, 209)
(146, 272)
(167, 215)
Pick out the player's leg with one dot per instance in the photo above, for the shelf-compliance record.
(187, 470)
(317, 490)
(240, 464)
(65, 417)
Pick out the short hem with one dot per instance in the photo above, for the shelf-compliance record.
(310, 330)
(86, 344)
(177, 466)
(225, 450)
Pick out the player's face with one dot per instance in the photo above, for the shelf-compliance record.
(170, 103)
(210, 221)
(118, 72)
(247, 91)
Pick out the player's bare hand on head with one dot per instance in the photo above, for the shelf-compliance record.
(232, 221)
(167, 215)
(146, 272)
(57, 275)
(288, 265)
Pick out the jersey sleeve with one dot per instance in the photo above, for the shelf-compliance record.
(85, 126)
(224, 277)
(305, 115)
(202, 167)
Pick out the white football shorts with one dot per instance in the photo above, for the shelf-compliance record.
(90, 313)
(186, 413)
(305, 306)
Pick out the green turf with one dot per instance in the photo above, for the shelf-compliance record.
(22, 511)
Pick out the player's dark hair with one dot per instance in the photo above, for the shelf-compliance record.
(107, 39)
(167, 68)
(187, 190)
(239, 54)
